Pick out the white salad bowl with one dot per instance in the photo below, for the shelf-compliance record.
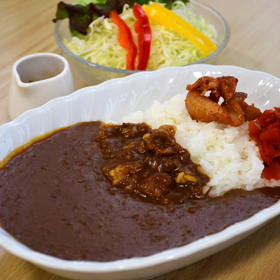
(94, 74)
(109, 102)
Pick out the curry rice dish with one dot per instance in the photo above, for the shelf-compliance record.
(108, 192)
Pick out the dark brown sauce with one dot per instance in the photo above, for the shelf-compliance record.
(149, 163)
(55, 199)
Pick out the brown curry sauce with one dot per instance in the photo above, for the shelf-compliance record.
(56, 199)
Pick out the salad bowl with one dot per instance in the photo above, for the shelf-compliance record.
(109, 102)
(94, 74)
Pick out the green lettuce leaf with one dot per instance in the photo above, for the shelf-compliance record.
(117, 5)
(79, 16)
(82, 12)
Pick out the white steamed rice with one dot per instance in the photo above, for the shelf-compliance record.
(226, 153)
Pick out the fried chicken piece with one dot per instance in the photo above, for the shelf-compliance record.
(251, 112)
(233, 111)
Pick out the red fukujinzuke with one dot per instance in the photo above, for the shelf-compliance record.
(265, 131)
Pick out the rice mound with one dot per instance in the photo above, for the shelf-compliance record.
(226, 153)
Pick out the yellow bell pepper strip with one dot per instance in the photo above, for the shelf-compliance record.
(164, 20)
(143, 29)
(211, 46)
(125, 39)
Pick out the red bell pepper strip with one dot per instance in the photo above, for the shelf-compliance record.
(125, 39)
(143, 29)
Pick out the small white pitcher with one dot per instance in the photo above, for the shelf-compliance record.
(36, 79)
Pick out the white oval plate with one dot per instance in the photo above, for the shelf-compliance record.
(109, 102)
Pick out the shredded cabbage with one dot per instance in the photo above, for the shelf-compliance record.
(168, 48)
